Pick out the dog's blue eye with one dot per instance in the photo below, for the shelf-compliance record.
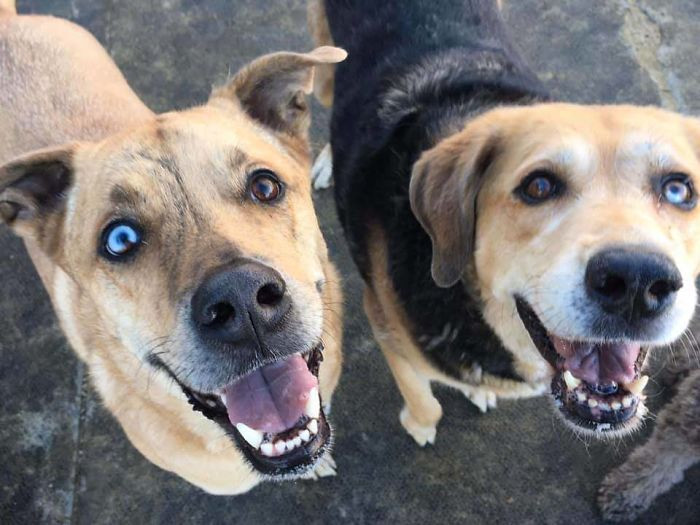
(121, 238)
(678, 190)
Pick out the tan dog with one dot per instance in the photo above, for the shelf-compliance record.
(181, 251)
(505, 242)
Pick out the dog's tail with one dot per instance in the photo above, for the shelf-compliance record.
(8, 6)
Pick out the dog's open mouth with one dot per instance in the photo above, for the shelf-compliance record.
(597, 386)
(274, 413)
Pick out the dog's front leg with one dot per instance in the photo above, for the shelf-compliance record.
(422, 411)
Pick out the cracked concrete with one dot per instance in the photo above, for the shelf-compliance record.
(641, 32)
(64, 458)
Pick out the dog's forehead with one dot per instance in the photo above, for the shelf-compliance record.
(603, 137)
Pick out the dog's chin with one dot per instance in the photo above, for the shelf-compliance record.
(584, 407)
(288, 452)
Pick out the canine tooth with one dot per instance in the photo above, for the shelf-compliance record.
(313, 405)
(581, 397)
(297, 441)
(268, 449)
(305, 435)
(616, 405)
(280, 446)
(571, 381)
(592, 403)
(627, 401)
(313, 426)
(223, 398)
(252, 436)
(637, 386)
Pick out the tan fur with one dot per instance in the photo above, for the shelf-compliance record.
(411, 369)
(607, 156)
(184, 174)
(7, 6)
(321, 35)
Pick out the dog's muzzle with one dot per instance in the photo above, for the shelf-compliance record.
(598, 384)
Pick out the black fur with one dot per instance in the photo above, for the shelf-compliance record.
(417, 72)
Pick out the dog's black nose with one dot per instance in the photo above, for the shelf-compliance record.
(239, 302)
(632, 283)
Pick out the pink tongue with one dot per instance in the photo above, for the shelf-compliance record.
(599, 363)
(272, 398)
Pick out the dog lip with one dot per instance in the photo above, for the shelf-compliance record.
(538, 333)
(579, 402)
(290, 463)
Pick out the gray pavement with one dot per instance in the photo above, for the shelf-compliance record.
(63, 457)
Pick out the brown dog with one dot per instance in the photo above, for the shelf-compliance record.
(507, 244)
(181, 251)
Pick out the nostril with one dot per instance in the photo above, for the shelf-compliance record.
(660, 290)
(270, 294)
(612, 286)
(218, 315)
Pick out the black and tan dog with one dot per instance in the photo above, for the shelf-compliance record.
(181, 251)
(505, 242)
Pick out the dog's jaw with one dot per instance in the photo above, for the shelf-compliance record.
(615, 412)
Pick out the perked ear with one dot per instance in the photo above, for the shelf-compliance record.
(444, 188)
(33, 190)
(273, 88)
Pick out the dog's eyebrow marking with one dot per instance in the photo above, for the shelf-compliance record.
(238, 160)
(123, 196)
(643, 149)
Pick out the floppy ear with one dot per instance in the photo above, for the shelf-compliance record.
(33, 190)
(444, 188)
(273, 88)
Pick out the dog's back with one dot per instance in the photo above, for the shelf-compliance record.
(57, 84)
(425, 67)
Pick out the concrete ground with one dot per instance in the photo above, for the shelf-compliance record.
(64, 459)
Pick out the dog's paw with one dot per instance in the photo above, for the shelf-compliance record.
(622, 498)
(322, 170)
(482, 398)
(421, 434)
(325, 467)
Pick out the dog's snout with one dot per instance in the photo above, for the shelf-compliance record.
(633, 283)
(239, 302)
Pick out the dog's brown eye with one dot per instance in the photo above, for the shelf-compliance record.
(538, 187)
(265, 186)
(677, 189)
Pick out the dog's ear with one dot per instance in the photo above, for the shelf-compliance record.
(444, 187)
(33, 190)
(273, 88)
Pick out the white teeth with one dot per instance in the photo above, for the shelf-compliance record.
(571, 381)
(313, 405)
(627, 401)
(616, 405)
(636, 387)
(267, 449)
(252, 436)
(280, 447)
(313, 426)
(592, 403)
(581, 397)
(223, 398)
(297, 441)
(305, 435)
(290, 445)
(604, 406)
